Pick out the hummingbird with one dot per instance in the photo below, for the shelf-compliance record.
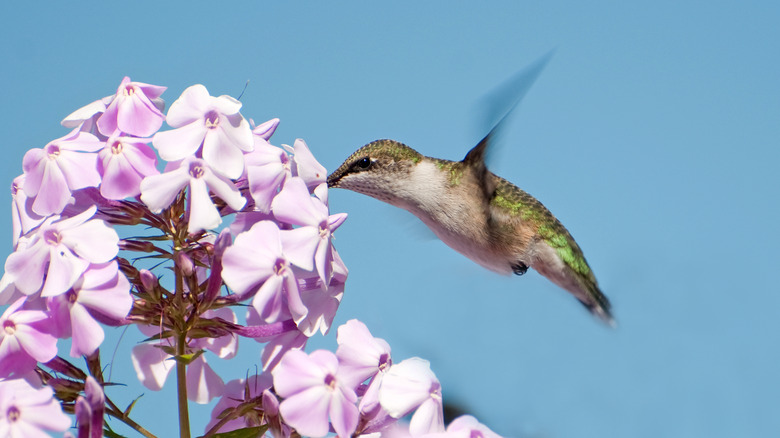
(475, 212)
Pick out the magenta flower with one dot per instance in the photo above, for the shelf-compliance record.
(159, 191)
(313, 391)
(23, 342)
(62, 166)
(29, 412)
(123, 163)
(256, 264)
(211, 122)
(103, 292)
(294, 205)
(60, 251)
(411, 385)
(132, 110)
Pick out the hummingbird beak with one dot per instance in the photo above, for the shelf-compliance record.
(333, 180)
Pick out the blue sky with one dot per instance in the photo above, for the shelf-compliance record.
(652, 135)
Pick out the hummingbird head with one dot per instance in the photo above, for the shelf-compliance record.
(380, 169)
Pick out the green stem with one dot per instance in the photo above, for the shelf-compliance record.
(181, 367)
(181, 383)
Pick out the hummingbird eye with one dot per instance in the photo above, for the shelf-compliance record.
(362, 164)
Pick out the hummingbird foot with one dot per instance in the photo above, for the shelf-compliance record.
(519, 268)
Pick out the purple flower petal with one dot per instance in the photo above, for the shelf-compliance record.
(203, 383)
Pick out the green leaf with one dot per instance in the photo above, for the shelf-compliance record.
(131, 405)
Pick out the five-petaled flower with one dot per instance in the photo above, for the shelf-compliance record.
(211, 122)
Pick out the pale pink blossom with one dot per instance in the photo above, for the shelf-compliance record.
(464, 426)
(60, 250)
(267, 168)
(211, 122)
(123, 163)
(26, 411)
(61, 167)
(159, 191)
(256, 264)
(103, 292)
(23, 218)
(313, 392)
(411, 386)
(23, 340)
(132, 110)
(294, 205)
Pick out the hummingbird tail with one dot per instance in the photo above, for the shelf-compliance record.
(598, 305)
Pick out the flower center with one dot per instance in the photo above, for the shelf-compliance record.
(116, 147)
(14, 188)
(52, 237)
(476, 434)
(330, 381)
(435, 391)
(196, 170)
(72, 296)
(9, 327)
(129, 90)
(324, 229)
(212, 119)
(13, 414)
(280, 266)
(53, 150)
(384, 362)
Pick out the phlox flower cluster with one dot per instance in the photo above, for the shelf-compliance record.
(183, 275)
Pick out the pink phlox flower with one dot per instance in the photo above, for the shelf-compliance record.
(159, 191)
(26, 411)
(307, 167)
(465, 426)
(239, 391)
(277, 345)
(85, 118)
(314, 391)
(61, 250)
(411, 385)
(153, 365)
(23, 218)
(62, 166)
(363, 357)
(24, 339)
(225, 347)
(123, 163)
(322, 303)
(244, 220)
(256, 264)
(264, 130)
(267, 168)
(203, 383)
(213, 122)
(101, 292)
(132, 110)
(308, 245)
